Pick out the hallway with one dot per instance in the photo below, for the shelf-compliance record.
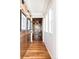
(37, 29)
(37, 50)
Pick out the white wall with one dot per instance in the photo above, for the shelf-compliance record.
(50, 43)
(50, 37)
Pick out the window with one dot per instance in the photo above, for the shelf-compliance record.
(50, 20)
(46, 23)
(29, 24)
(23, 23)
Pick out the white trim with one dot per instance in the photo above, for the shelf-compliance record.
(49, 52)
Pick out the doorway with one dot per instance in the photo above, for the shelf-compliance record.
(37, 29)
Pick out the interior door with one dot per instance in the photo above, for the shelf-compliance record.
(37, 29)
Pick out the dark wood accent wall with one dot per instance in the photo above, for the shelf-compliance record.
(22, 1)
(40, 34)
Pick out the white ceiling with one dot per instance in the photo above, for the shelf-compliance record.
(37, 7)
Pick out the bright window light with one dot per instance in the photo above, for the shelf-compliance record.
(50, 20)
(47, 23)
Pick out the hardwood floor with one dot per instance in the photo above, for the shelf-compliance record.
(36, 50)
(24, 43)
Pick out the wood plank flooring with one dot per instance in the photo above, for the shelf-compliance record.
(37, 50)
(24, 43)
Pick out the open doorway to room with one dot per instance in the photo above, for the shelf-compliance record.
(37, 29)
